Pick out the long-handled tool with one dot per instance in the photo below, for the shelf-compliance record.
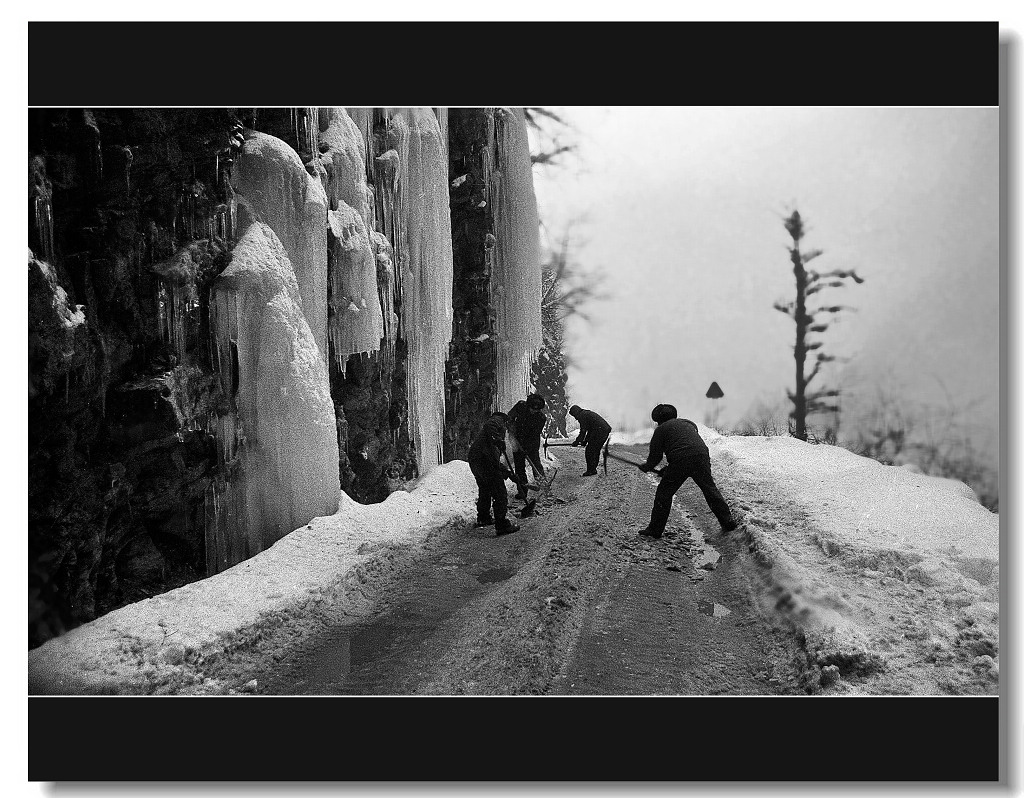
(549, 445)
(622, 459)
(514, 478)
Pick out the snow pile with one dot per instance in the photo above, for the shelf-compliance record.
(281, 427)
(272, 186)
(176, 641)
(419, 229)
(641, 437)
(885, 569)
(515, 273)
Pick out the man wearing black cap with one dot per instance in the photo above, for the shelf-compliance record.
(678, 440)
(526, 422)
(485, 462)
(594, 431)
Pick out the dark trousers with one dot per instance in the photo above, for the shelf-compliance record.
(529, 450)
(595, 442)
(490, 490)
(672, 479)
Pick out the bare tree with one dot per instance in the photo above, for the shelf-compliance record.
(816, 320)
(565, 291)
(550, 129)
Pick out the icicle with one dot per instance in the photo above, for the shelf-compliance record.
(515, 279)
(97, 152)
(442, 123)
(41, 192)
(355, 325)
(128, 159)
(423, 267)
(353, 266)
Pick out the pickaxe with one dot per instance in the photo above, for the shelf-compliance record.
(546, 445)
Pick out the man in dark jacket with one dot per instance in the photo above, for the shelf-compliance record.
(526, 423)
(594, 431)
(490, 474)
(678, 440)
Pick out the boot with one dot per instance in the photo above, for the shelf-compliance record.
(647, 532)
(505, 528)
(482, 522)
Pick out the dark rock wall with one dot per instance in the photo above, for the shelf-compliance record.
(119, 457)
(470, 377)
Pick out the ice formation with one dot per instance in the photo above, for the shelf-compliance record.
(422, 239)
(272, 186)
(355, 322)
(177, 298)
(306, 123)
(279, 440)
(515, 272)
(41, 193)
(384, 258)
(344, 157)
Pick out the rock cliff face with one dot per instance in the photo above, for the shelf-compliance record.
(236, 313)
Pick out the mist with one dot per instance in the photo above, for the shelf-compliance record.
(679, 211)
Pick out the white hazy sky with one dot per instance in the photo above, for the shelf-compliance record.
(682, 210)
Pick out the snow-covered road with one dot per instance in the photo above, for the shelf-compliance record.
(891, 576)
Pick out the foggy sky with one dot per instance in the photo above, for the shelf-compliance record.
(683, 210)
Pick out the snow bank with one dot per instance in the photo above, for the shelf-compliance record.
(884, 569)
(856, 500)
(641, 437)
(172, 642)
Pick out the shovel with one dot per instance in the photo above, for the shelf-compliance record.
(622, 459)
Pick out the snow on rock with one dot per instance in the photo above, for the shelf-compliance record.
(68, 316)
(283, 425)
(421, 236)
(272, 186)
(177, 641)
(869, 559)
(516, 273)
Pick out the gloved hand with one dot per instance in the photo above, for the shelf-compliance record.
(644, 467)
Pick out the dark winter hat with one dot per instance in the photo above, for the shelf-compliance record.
(663, 413)
(499, 414)
(535, 401)
(574, 410)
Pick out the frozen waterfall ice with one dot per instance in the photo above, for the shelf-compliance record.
(416, 194)
(515, 274)
(279, 439)
(272, 186)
